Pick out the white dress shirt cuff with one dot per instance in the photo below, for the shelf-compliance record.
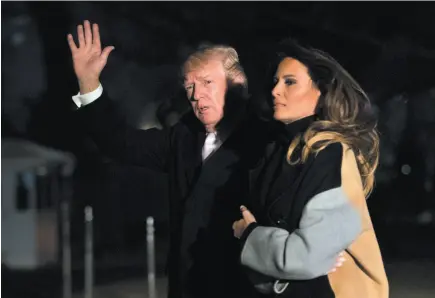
(87, 98)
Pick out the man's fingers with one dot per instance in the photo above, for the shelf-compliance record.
(81, 36)
(96, 36)
(71, 43)
(236, 229)
(88, 34)
(106, 52)
(247, 215)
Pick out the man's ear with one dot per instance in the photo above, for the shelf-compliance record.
(239, 79)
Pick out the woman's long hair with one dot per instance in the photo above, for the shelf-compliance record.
(344, 111)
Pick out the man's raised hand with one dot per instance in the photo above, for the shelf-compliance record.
(88, 58)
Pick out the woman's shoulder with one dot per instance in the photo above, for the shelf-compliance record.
(324, 145)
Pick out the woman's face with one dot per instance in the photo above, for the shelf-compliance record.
(295, 95)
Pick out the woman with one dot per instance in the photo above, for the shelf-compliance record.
(309, 190)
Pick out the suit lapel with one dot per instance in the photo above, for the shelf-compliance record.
(192, 148)
(223, 138)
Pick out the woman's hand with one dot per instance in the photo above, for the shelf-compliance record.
(239, 226)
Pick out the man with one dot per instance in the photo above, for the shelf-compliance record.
(206, 156)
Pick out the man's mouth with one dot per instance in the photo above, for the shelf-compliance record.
(202, 110)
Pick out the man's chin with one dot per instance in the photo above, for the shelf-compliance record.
(208, 122)
(204, 119)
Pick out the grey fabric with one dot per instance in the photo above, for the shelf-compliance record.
(328, 225)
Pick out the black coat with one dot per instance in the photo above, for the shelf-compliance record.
(204, 197)
(304, 217)
(278, 195)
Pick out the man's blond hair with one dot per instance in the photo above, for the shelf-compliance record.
(229, 57)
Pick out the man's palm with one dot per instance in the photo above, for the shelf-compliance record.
(88, 59)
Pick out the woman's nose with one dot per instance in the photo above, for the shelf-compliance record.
(275, 91)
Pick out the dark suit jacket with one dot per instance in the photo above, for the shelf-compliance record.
(204, 196)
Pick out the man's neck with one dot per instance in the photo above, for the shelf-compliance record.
(210, 128)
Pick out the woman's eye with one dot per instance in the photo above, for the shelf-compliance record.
(189, 87)
(208, 82)
(289, 82)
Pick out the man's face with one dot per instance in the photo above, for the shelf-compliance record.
(206, 86)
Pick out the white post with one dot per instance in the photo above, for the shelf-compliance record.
(66, 251)
(67, 192)
(89, 256)
(152, 293)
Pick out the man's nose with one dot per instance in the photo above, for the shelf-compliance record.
(198, 92)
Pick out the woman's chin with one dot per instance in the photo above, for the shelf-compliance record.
(278, 116)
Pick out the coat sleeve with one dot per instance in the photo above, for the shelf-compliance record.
(328, 225)
(113, 137)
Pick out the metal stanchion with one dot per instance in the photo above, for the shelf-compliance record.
(89, 256)
(66, 251)
(152, 293)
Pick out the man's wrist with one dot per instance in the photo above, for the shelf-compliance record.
(88, 86)
(87, 98)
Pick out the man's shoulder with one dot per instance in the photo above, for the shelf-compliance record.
(187, 124)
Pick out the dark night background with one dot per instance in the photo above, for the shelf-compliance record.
(389, 47)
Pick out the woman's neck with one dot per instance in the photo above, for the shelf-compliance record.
(289, 121)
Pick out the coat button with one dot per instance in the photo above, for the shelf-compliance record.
(281, 222)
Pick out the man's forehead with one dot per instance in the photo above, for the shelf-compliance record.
(210, 67)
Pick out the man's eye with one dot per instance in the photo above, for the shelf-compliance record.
(189, 87)
(208, 82)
